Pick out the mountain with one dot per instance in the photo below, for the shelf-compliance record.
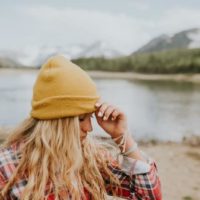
(35, 56)
(182, 40)
(99, 49)
(8, 63)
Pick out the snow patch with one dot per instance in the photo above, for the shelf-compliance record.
(195, 37)
(34, 56)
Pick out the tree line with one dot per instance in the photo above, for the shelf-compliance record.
(166, 62)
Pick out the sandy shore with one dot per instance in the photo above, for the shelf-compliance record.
(178, 167)
(179, 170)
(195, 78)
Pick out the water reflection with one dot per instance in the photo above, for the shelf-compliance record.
(162, 110)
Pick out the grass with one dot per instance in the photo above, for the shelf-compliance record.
(194, 155)
(187, 198)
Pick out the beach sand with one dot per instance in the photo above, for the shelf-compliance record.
(178, 167)
(193, 78)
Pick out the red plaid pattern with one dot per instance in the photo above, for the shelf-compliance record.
(135, 185)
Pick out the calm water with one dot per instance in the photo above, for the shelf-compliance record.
(156, 110)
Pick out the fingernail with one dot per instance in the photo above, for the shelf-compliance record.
(104, 118)
(97, 104)
(100, 114)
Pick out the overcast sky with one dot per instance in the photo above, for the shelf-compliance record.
(123, 24)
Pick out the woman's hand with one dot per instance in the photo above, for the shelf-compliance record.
(111, 119)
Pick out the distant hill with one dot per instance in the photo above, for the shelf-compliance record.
(163, 62)
(99, 49)
(179, 53)
(187, 39)
(35, 56)
(8, 63)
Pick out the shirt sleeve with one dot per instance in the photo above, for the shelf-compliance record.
(2, 181)
(2, 184)
(139, 179)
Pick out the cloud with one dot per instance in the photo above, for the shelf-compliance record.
(47, 25)
(84, 26)
(178, 19)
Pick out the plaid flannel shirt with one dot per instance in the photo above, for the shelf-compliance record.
(140, 179)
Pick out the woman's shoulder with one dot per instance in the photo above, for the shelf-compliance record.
(6, 153)
(6, 150)
(9, 160)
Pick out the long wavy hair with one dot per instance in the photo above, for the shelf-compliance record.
(53, 155)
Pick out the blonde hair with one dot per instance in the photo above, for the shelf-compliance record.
(53, 155)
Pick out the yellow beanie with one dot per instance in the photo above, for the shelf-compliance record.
(62, 89)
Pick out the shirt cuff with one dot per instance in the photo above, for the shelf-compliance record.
(132, 166)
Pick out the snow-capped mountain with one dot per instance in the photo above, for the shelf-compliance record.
(99, 49)
(194, 37)
(35, 56)
(185, 39)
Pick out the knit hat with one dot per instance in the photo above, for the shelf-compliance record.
(62, 89)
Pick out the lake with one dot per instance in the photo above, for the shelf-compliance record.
(162, 110)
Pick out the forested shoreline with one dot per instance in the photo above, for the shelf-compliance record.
(180, 61)
(166, 62)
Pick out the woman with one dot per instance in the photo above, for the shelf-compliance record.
(51, 156)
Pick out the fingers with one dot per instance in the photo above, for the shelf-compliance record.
(115, 114)
(102, 109)
(98, 103)
(107, 111)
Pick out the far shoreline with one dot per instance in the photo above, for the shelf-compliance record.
(193, 78)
